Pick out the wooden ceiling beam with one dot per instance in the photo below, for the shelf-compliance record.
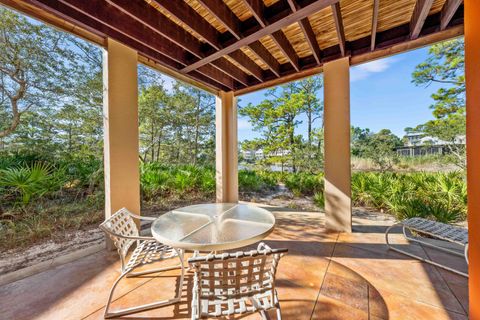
(232, 70)
(448, 11)
(420, 14)
(146, 14)
(257, 7)
(216, 75)
(276, 25)
(263, 54)
(309, 33)
(286, 47)
(187, 15)
(337, 17)
(311, 39)
(376, 5)
(81, 20)
(390, 42)
(222, 13)
(117, 20)
(159, 23)
(248, 64)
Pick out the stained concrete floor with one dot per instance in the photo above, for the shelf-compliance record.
(325, 275)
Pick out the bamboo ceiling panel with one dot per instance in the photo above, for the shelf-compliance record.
(357, 18)
(393, 13)
(227, 28)
(254, 57)
(271, 46)
(297, 39)
(324, 27)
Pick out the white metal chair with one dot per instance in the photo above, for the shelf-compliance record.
(121, 228)
(236, 283)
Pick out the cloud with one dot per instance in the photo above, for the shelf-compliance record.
(363, 71)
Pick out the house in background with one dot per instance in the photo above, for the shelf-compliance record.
(419, 144)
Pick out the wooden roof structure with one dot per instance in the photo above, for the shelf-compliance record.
(246, 45)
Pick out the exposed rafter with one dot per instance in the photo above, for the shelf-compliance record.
(448, 11)
(267, 30)
(311, 39)
(126, 24)
(143, 13)
(257, 7)
(232, 70)
(286, 47)
(308, 32)
(184, 13)
(420, 13)
(263, 54)
(248, 64)
(159, 23)
(376, 4)
(222, 13)
(337, 17)
(172, 48)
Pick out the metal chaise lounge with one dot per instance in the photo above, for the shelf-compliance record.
(436, 230)
(121, 228)
(235, 283)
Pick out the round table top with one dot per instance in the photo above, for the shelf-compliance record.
(213, 227)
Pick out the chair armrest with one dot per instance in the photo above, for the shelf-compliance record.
(142, 217)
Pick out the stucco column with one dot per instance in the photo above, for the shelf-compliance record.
(226, 147)
(472, 78)
(120, 118)
(338, 204)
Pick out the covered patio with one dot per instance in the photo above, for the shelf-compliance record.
(336, 269)
(326, 275)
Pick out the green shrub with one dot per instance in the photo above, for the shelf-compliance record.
(304, 184)
(25, 182)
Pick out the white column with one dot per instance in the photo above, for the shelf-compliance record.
(120, 111)
(226, 147)
(338, 203)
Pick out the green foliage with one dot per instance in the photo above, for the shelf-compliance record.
(445, 65)
(277, 117)
(26, 182)
(304, 184)
(439, 196)
(379, 147)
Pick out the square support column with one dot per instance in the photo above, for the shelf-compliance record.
(226, 147)
(338, 203)
(120, 114)
(472, 80)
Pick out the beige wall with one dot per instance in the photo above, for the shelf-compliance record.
(226, 147)
(338, 204)
(120, 111)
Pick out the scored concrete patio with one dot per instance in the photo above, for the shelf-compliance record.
(324, 276)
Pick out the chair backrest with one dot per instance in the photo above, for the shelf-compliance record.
(118, 226)
(236, 275)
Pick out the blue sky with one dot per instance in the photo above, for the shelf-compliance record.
(382, 96)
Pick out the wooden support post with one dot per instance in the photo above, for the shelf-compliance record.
(120, 114)
(472, 78)
(226, 147)
(338, 204)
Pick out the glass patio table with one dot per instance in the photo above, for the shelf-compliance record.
(213, 227)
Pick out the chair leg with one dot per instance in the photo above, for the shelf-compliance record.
(144, 307)
(107, 307)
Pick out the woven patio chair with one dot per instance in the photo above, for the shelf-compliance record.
(123, 231)
(236, 283)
